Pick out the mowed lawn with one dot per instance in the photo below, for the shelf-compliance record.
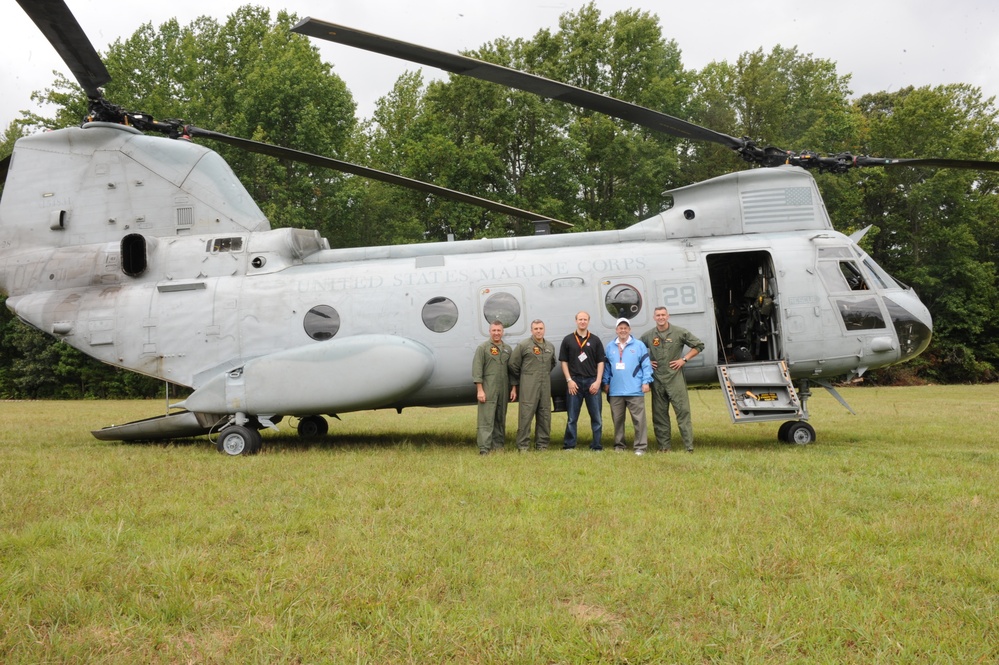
(393, 542)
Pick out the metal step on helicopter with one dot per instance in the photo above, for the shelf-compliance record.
(147, 253)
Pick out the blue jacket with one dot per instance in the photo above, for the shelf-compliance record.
(637, 370)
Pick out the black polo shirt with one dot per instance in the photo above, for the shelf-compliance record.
(573, 346)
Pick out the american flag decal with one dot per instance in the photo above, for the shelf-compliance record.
(780, 205)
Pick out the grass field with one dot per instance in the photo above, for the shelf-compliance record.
(394, 542)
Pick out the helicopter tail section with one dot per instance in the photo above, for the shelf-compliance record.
(97, 183)
(106, 184)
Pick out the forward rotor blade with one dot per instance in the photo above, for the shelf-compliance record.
(747, 149)
(63, 31)
(465, 66)
(374, 174)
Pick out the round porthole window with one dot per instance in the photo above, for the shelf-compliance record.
(502, 307)
(321, 322)
(623, 300)
(440, 314)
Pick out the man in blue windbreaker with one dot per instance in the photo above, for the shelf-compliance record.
(627, 377)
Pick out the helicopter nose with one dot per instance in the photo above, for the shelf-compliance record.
(912, 321)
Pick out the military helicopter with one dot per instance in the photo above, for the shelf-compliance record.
(148, 254)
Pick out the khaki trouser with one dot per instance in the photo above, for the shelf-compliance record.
(636, 406)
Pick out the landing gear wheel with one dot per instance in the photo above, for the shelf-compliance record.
(313, 427)
(239, 440)
(782, 432)
(800, 433)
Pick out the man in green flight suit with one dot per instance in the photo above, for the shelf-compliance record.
(531, 369)
(666, 345)
(490, 368)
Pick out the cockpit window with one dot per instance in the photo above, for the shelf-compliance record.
(853, 277)
(862, 314)
(873, 275)
(879, 272)
(834, 253)
(841, 276)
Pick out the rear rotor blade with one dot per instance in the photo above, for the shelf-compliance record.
(374, 174)
(63, 31)
(465, 66)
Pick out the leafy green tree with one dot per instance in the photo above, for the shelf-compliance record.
(541, 154)
(937, 228)
(623, 170)
(14, 131)
(248, 77)
(782, 98)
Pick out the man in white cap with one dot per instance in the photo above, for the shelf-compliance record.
(627, 378)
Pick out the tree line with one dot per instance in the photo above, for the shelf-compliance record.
(248, 76)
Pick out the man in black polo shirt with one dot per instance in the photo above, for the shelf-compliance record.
(582, 357)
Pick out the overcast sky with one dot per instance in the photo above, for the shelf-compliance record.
(884, 44)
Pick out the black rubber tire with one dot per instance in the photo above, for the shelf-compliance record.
(313, 427)
(238, 440)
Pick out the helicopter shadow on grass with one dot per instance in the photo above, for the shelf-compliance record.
(365, 441)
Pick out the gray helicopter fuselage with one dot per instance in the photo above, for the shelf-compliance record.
(149, 255)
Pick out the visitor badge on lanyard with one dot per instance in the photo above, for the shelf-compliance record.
(582, 342)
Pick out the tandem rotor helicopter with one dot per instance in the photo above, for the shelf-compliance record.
(148, 254)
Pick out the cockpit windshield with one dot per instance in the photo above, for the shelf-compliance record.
(885, 280)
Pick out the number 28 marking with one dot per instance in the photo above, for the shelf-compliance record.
(681, 297)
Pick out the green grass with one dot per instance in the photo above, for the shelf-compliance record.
(395, 542)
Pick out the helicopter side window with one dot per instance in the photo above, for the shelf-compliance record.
(623, 300)
(440, 314)
(216, 245)
(321, 322)
(502, 307)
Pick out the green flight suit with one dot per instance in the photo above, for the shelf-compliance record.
(490, 367)
(531, 368)
(668, 385)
